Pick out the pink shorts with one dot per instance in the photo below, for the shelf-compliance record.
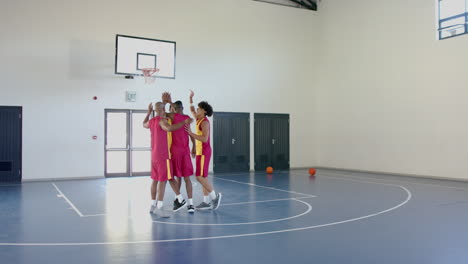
(161, 170)
(203, 162)
(182, 165)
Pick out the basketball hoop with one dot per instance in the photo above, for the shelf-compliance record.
(149, 74)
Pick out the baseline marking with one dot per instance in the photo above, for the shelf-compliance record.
(265, 187)
(68, 201)
(229, 204)
(267, 201)
(341, 176)
(309, 208)
(408, 198)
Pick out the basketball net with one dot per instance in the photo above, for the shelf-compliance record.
(149, 74)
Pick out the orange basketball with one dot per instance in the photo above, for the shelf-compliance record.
(269, 170)
(312, 171)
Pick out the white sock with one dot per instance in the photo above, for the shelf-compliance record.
(190, 201)
(179, 197)
(159, 205)
(213, 195)
(153, 202)
(206, 199)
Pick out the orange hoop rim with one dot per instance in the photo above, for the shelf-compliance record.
(147, 72)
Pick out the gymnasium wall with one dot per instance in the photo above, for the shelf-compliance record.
(391, 97)
(240, 55)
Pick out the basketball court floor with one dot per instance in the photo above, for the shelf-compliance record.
(364, 85)
(285, 217)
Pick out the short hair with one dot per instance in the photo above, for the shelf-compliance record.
(207, 107)
(158, 104)
(178, 104)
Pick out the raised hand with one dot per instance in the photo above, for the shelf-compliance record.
(166, 98)
(150, 107)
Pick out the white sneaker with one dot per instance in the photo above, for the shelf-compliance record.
(162, 213)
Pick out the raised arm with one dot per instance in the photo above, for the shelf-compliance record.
(146, 121)
(166, 98)
(192, 108)
(169, 128)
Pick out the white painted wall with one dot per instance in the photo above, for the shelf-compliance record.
(391, 96)
(367, 84)
(240, 55)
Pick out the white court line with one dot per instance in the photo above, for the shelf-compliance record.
(265, 187)
(267, 201)
(309, 208)
(246, 183)
(344, 177)
(94, 215)
(221, 237)
(228, 204)
(293, 171)
(357, 180)
(68, 201)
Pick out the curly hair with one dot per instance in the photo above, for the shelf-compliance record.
(207, 107)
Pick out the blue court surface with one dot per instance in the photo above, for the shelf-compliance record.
(286, 217)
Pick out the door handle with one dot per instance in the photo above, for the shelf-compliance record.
(233, 141)
(273, 141)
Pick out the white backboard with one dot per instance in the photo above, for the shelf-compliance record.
(134, 53)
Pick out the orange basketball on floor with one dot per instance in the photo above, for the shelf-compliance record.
(269, 170)
(312, 171)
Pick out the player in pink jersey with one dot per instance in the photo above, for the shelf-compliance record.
(203, 153)
(181, 161)
(161, 165)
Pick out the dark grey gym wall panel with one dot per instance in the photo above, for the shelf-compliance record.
(221, 143)
(240, 142)
(231, 142)
(271, 141)
(10, 143)
(280, 141)
(262, 143)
